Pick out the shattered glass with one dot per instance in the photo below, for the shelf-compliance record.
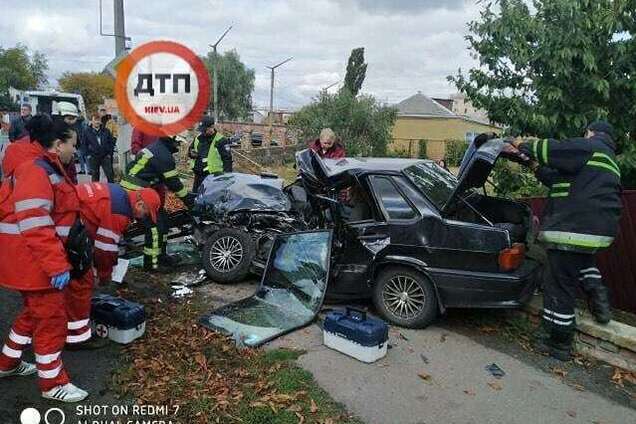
(186, 253)
(290, 295)
(234, 191)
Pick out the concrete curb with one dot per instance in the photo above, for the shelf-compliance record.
(614, 343)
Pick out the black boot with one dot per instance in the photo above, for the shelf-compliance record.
(558, 345)
(599, 303)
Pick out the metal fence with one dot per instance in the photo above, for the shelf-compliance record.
(618, 263)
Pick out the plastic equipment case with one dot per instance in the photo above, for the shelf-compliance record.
(353, 334)
(118, 319)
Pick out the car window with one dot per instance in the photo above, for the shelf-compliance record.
(394, 203)
(435, 182)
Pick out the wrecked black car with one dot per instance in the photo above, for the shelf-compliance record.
(409, 234)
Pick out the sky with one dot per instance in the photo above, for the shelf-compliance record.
(410, 45)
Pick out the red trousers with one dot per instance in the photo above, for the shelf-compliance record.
(43, 322)
(78, 308)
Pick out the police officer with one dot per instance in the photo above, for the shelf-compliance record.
(155, 167)
(580, 218)
(210, 153)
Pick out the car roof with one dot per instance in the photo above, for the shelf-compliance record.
(368, 165)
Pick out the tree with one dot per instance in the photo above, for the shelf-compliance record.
(235, 86)
(551, 71)
(356, 71)
(93, 87)
(21, 70)
(360, 122)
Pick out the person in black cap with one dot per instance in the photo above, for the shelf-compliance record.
(580, 218)
(210, 153)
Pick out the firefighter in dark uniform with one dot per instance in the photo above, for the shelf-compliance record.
(154, 166)
(580, 218)
(210, 153)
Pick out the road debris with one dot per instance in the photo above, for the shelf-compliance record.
(495, 370)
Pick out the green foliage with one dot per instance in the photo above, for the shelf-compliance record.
(356, 71)
(93, 87)
(21, 70)
(423, 149)
(514, 181)
(455, 150)
(550, 71)
(627, 164)
(361, 122)
(235, 86)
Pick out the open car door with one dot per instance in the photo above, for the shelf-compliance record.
(290, 295)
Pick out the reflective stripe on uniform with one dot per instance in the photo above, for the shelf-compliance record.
(146, 155)
(79, 338)
(21, 340)
(11, 353)
(182, 193)
(604, 162)
(38, 221)
(101, 231)
(76, 325)
(170, 174)
(47, 359)
(50, 373)
(24, 205)
(558, 321)
(9, 228)
(560, 190)
(575, 239)
(129, 186)
(558, 315)
(106, 247)
(62, 230)
(544, 152)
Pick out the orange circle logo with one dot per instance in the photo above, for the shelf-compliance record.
(162, 88)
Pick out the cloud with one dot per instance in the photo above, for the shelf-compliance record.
(409, 45)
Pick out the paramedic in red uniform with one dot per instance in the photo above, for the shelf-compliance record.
(106, 210)
(38, 203)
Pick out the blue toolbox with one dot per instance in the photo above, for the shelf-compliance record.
(353, 333)
(119, 319)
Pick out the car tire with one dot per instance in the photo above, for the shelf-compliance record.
(238, 248)
(394, 281)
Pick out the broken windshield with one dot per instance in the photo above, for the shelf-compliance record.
(434, 181)
(290, 295)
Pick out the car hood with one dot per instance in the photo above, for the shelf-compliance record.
(235, 191)
(476, 169)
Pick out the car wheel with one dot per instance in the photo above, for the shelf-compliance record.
(405, 297)
(227, 255)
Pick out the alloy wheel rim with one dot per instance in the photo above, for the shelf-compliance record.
(226, 254)
(403, 297)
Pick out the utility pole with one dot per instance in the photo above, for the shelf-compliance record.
(215, 75)
(271, 87)
(120, 27)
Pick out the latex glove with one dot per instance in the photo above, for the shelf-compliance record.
(61, 280)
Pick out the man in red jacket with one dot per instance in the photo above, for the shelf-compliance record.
(327, 146)
(106, 210)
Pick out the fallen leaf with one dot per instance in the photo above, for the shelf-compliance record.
(301, 419)
(578, 387)
(495, 385)
(487, 329)
(470, 392)
(329, 421)
(424, 376)
(559, 371)
(403, 337)
(313, 408)
(443, 337)
(424, 358)
(572, 414)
